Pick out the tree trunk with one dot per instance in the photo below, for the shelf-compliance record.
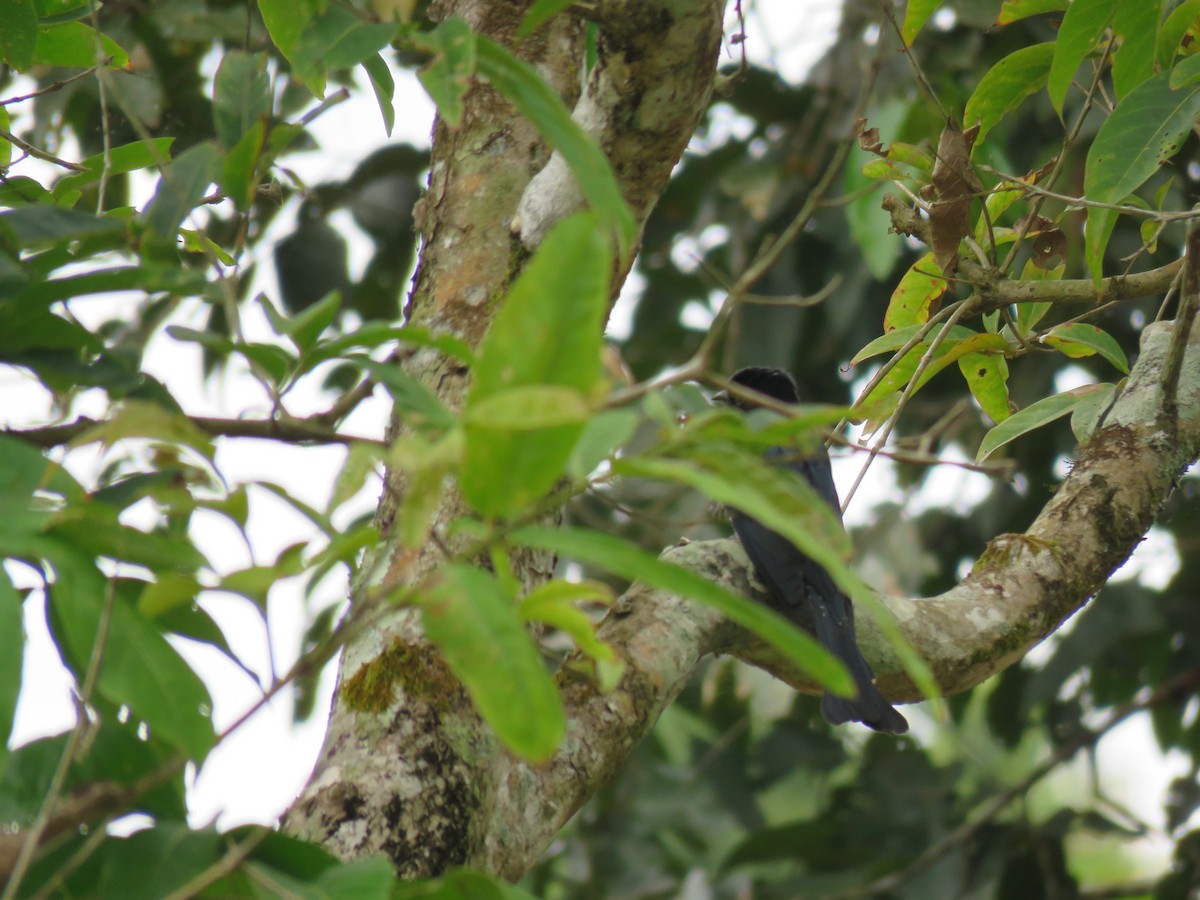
(408, 769)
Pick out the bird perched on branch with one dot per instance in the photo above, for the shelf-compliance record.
(800, 588)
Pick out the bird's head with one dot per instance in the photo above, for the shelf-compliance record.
(774, 383)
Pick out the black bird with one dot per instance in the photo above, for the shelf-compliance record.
(800, 588)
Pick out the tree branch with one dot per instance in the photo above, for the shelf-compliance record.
(293, 431)
(993, 292)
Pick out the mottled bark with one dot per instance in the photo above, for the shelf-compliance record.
(407, 768)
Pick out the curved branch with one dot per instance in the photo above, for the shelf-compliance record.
(1023, 587)
(992, 292)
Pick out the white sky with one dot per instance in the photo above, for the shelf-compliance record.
(256, 773)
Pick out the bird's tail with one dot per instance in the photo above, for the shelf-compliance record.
(834, 627)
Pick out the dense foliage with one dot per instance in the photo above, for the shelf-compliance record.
(772, 230)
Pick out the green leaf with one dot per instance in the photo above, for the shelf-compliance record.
(138, 668)
(540, 12)
(51, 12)
(19, 34)
(98, 532)
(602, 436)
(1015, 10)
(1081, 339)
(894, 340)
(1032, 417)
(538, 340)
(1006, 85)
(919, 288)
(916, 14)
(255, 582)
(418, 403)
(126, 158)
(148, 278)
(363, 879)
(1087, 413)
(1029, 314)
(307, 326)
(28, 327)
(317, 518)
(384, 87)
(241, 95)
(1177, 25)
(1144, 131)
(1082, 27)
(879, 403)
(6, 147)
(622, 558)
(181, 188)
(140, 419)
(158, 861)
(1186, 71)
(362, 459)
(116, 754)
(536, 100)
(269, 361)
(462, 884)
(555, 604)
(774, 495)
(1135, 23)
(426, 466)
(987, 379)
(472, 620)
(76, 45)
(34, 226)
(869, 221)
(239, 173)
(529, 408)
(373, 334)
(336, 38)
(12, 648)
(24, 470)
(448, 75)
(286, 20)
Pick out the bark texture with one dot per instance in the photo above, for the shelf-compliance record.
(407, 768)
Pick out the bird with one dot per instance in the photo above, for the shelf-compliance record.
(797, 586)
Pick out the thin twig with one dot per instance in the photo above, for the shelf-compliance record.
(313, 431)
(1189, 298)
(226, 865)
(1083, 202)
(770, 251)
(1000, 469)
(39, 154)
(50, 88)
(1059, 162)
(345, 404)
(102, 92)
(890, 15)
(909, 391)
